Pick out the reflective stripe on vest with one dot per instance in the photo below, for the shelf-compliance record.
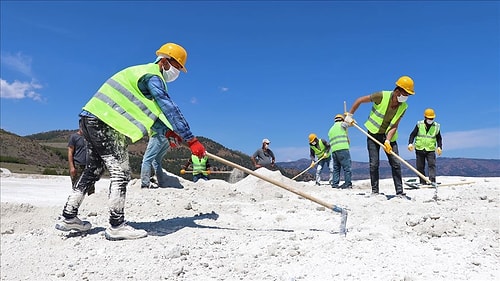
(426, 140)
(120, 104)
(199, 166)
(338, 137)
(322, 149)
(377, 115)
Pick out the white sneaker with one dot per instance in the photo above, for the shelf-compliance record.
(73, 224)
(124, 232)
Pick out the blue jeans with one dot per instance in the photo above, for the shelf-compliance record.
(374, 158)
(341, 159)
(199, 176)
(153, 156)
(326, 162)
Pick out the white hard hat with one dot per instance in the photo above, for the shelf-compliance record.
(266, 141)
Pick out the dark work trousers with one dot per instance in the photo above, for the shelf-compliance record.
(79, 171)
(430, 156)
(107, 148)
(374, 158)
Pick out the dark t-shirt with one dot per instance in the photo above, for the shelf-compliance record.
(80, 149)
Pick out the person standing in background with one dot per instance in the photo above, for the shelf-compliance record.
(341, 157)
(153, 156)
(426, 134)
(77, 157)
(264, 156)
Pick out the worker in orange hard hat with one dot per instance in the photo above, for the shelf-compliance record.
(126, 108)
(428, 142)
(388, 107)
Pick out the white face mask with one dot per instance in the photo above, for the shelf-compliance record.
(429, 121)
(402, 98)
(171, 74)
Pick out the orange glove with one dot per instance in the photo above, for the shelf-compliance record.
(312, 164)
(173, 138)
(439, 151)
(208, 172)
(196, 147)
(387, 147)
(183, 172)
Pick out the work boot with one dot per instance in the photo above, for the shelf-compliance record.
(346, 185)
(124, 232)
(73, 224)
(151, 185)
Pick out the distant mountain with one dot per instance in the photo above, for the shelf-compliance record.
(445, 167)
(47, 152)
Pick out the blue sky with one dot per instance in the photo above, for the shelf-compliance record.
(263, 69)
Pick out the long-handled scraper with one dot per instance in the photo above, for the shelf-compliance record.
(335, 208)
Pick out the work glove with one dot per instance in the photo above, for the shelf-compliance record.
(183, 172)
(387, 147)
(324, 155)
(197, 148)
(439, 151)
(208, 172)
(344, 125)
(173, 138)
(348, 118)
(312, 164)
(410, 147)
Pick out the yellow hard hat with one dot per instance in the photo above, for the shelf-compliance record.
(339, 117)
(174, 51)
(429, 113)
(312, 137)
(406, 83)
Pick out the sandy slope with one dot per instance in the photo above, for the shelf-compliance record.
(253, 230)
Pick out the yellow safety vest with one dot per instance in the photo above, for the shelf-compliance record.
(120, 104)
(377, 115)
(426, 140)
(338, 137)
(199, 165)
(322, 149)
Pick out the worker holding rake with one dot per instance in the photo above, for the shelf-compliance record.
(388, 107)
(321, 149)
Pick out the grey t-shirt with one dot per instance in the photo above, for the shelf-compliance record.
(263, 157)
(80, 148)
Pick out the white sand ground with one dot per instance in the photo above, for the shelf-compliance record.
(254, 230)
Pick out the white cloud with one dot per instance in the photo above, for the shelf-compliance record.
(19, 90)
(489, 137)
(18, 62)
(194, 100)
(223, 89)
